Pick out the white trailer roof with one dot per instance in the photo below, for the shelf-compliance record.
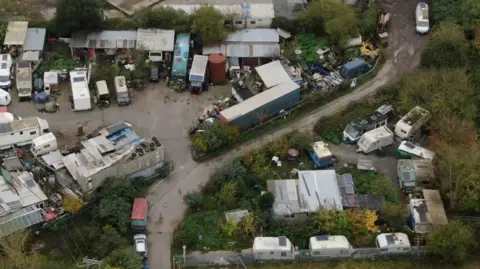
(43, 139)
(321, 149)
(416, 150)
(50, 78)
(259, 100)
(389, 240)
(329, 242)
(102, 87)
(121, 84)
(16, 33)
(272, 74)
(78, 80)
(155, 39)
(199, 65)
(272, 244)
(376, 134)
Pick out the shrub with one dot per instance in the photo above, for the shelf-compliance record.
(452, 242)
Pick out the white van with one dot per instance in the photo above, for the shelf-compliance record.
(121, 89)
(6, 63)
(421, 18)
(5, 98)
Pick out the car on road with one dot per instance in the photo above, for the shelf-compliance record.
(140, 244)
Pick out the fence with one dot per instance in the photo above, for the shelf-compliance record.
(223, 258)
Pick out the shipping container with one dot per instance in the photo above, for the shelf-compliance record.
(218, 68)
(263, 105)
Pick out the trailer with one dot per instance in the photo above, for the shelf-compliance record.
(198, 73)
(407, 150)
(121, 90)
(24, 81)
(393, 242)
(44, 144)
(357, 128)
(375, 139)
(139, 215)
(80, 93)
(411, 123)
(273, 248)
(181, 55)
(21, 132)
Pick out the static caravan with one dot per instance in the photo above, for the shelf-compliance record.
(44, 144)
(80, 92)
(393, 242)
(375, 139)
(408, 126)
(330, 245)
(273, 248)
(414, 175)
(407, 150)
(357, 128)
(22, 131)
(321, 155)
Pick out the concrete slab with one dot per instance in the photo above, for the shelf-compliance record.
(130, 6)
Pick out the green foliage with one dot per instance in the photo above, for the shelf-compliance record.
(213, 137)
(368, 23)
(452, 242)
(394, 215)
(124, 258)
(249, 225)
(230, 228)
(265, 202)
(370, 182)
(446, 47)
(301, 141)
(120, 24)
(3, 31)
(100, 242)
(309, 44)
(78, 15)
(164, 18)
(447, 10)
(58, 59)
(193, 200)
(335, 18)
(209, 23)
(292, 26)
(332, 222)
(227, 194)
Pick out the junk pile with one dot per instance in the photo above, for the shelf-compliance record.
(319, 78)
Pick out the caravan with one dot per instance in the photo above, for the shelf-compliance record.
(44, 144)
(6, 64)
(80, 92)
(198, 74)
(357, 128)
(122, 91)
(408, 126)
(393, 242)
(273, 248)
(407, 150)
(330, 245)
(21, 132)
(375, 139)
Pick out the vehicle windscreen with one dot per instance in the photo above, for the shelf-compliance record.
(4, 78)
(422, 24)
(351, 131)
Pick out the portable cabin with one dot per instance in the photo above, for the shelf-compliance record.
(393, 242)
(198, 72)
(330, 245)
(357, 128)
(411, 123)
(121, 90)
(50, 81)
(375, 139)
(80, 92)
(139, 215)
(407, 150)
(321, 155)
(273, 248)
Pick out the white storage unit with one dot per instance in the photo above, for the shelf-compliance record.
(273, 248)
(330, 245)
(80, 91)
(375, 139)
(393, 242)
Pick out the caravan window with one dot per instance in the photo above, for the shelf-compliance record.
(283, 254)
(33, 133)
(159, 54)
(403, 131)
(46, 146)
(46, 131)
(21, 133)
(271, 252)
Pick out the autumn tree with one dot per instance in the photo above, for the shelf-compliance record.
(72, 204)
(446, 47)
(451, 242)
(78, 15)
(249, 225)
(333, 17)
(209, 22)
(163, 18)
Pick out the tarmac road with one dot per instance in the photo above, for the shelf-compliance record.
(166, 198)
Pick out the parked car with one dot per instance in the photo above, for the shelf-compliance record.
(140, 243)
(422, 25)
(154, 73)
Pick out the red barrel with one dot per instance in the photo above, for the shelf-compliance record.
(217, 65)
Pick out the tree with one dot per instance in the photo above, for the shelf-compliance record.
(72, 204)
(164, 18)
(78, 15)
(14, 254)
(249, 225)
(394, 216)
(470, 10)
(332, 222)
(108, 241)
(227, 194)
(116, 211)
(265, 202)
(446, 47)
(124, 258)
(210, 24)
(301, 141)
(368, 23)
(214, 137)
(333, 17)
(451, 242)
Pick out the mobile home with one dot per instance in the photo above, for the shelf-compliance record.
(408, 126)
(375, 139)
(24, 81)
(414, 175)
(321, 155)
(273, 248)
(357, 128)
(330, 245)
(6, 64)
(407, 150)
(44, 144)
(21, 132)
(393, 242)
(80, 92)
(181, 55)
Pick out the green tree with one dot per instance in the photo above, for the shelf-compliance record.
(301, 141)
(446, 47)
(116, 211)
(249, 225)
(332, 222)
(447, 10)
(227, 196)
(164, 18)
(15, 254)
(265, 202)
(394, 215)
(3, 31)
(333, 17)
(368, 23)
(210, 24)
(124, 258)
(78, 15)
(451, 242)
(108, 241)
(214, 137)
(470, 10)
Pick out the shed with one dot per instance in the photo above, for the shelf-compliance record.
(286, 201)
(318, 189)
(16, 33)
(272, 74)
(155, 39)
(236, 215)
(435, 207)
(35, 39)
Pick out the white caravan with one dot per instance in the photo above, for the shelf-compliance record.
(330, 245)
(393, 242)
(375, 139)
(407, 126)
(80, 92)
(273, 248)
(44, 144)
(6, 77)
(22, 132)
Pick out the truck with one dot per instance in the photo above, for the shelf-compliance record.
(21, 132)
(121, 90)
(44, 144)
(6, 77)
(81, 99)
(357, 128)
(375, 139)
(24, 81)
(139, 215)
(415, 174)
(411, 123)
(421, 18)
(198, 72)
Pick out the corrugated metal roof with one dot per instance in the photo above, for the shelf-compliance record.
(20, 220)
(254, 36)
(215, 49)
(259, 100)
(155, 39)
(266, 51)
(286, 196)
(238, 50)
(140, 207)
(34, 39)
(272, 74)
(16, 32)
(318, 189)
(31, 56)
(105, 40)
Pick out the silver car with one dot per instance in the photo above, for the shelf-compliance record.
(140, 243)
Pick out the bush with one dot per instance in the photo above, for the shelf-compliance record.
(214, 137)
(452, 242)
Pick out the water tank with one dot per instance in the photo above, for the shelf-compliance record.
(217, 68)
